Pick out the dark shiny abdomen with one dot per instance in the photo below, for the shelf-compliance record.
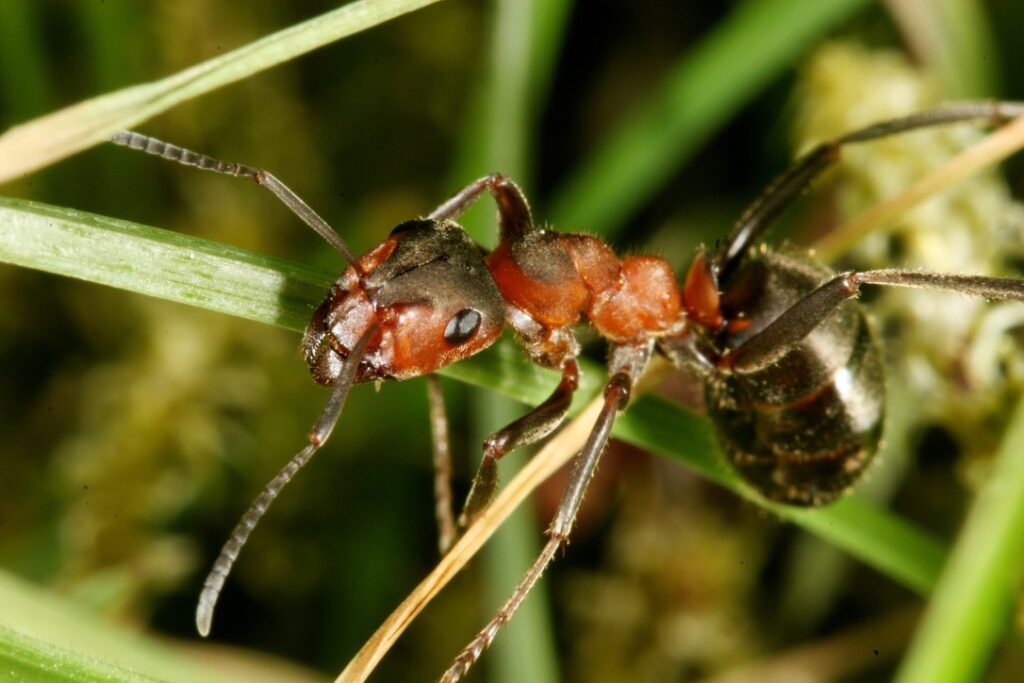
(805, 428)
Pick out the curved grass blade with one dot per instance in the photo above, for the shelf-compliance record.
(47, 139)
(44, 639)
(970, 608)
(160, 263)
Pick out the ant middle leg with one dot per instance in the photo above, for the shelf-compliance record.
(626, 365)
(796, 322)
(788, 187)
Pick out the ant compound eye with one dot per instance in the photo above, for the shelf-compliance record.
(462, 326)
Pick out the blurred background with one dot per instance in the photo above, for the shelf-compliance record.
(134, 432)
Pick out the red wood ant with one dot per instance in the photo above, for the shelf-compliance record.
(793, 377)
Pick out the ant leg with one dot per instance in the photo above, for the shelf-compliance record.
(787, 187)
(318, 435)
(187, 157)
(513, 210)
(442, 464)
(796, 322)
(689, 350)
(627, 362)
(528, 429)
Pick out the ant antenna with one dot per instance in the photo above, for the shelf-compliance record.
(317, 436)
(187, 157)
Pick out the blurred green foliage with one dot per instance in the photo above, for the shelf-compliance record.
(134, 432)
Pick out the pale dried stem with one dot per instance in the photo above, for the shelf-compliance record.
(556, 453)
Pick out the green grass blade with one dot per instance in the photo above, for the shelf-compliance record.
(238, 282)
(972, 604)
(28, 660)
(954, 41)
(159, 263)
(969, 60)
(25, 84)
(874, 535)
(42, 141)
(44, 639)
(701, 92)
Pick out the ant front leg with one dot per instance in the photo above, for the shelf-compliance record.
(626, 365)
(514, 217)
(789, 186)
(796, 322)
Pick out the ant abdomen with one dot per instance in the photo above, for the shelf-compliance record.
(802, 428)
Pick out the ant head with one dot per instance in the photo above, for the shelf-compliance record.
(431, 295)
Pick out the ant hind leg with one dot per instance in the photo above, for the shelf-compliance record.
(791, 184)
(801, 318)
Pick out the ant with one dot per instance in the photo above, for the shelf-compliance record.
(792, 369)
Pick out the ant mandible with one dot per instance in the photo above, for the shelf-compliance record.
(793, 378)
